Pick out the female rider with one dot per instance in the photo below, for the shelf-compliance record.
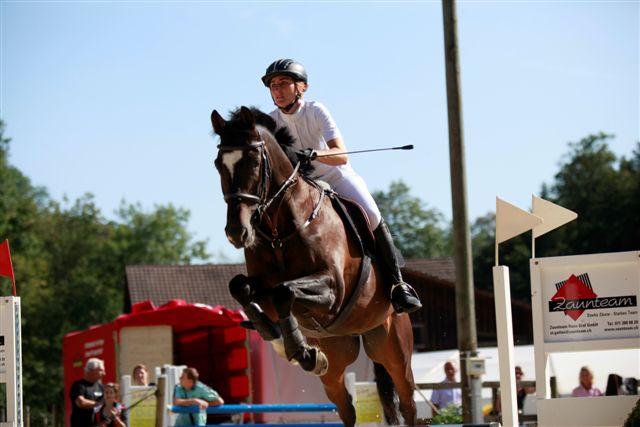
(316, 133)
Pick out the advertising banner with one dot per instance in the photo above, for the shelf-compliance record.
(590, 297)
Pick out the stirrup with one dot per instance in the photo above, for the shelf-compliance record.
(407, 300)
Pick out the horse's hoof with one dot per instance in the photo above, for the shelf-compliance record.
(322, 364)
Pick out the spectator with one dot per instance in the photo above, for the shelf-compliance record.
(586, 388)
(630, 385)
(110, 413)
(140, 376)
(86, 393)
(448, 396)
(521, 392)
(191, 392)
(614, 385)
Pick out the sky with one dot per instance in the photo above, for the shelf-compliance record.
(114, 98)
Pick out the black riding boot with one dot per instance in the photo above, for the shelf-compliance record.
(403, 297)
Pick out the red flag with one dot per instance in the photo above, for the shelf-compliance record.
(6, 268)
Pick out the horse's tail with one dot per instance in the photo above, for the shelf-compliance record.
(387, 393)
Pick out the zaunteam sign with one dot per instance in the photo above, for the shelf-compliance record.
(590, 297)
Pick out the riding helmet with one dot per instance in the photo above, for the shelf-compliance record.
(287, 67)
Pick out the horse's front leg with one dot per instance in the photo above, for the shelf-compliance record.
(313, 292)
(242, 289)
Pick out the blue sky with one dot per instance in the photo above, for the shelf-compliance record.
(114, 97)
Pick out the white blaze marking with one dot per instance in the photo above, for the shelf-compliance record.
(230, 159)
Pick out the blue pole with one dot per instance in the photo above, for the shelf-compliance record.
(244, 408)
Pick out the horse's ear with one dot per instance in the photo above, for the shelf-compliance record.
(218, 122)
(246, 116)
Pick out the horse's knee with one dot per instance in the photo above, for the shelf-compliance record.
(283, 298)
(240, 289)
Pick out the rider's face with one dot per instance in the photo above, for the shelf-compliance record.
(283, 90)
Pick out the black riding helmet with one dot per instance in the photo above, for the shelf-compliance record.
(285, 67)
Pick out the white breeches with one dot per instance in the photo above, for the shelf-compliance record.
(354, 188)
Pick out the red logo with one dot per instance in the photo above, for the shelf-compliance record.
(571, 290)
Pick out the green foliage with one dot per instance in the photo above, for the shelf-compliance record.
(633, 419)
(69, 264)
(449, 415)
(417, 230)
(604, 191)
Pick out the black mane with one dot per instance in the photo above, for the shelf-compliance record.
(282, 136)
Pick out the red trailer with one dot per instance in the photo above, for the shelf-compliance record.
(207, 338)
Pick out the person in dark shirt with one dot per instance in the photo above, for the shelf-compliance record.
(86, 393)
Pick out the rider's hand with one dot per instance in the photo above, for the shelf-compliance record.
(306, 155)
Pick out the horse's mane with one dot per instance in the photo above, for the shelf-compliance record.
(282, 136)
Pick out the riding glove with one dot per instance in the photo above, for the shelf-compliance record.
(306, 155)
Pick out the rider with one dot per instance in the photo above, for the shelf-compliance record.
(316, 133)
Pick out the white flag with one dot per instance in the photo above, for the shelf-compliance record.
(512, 221)
(553, 215)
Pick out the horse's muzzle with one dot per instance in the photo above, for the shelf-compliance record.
(239, 236)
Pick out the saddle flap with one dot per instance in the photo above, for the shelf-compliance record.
(356, 220)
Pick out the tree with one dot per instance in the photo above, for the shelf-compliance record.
(69, 263)
(417, 230)
(592, 181)
(604, 191)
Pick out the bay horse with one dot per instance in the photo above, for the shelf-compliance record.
(310, 290)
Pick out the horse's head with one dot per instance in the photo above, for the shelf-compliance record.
(244, 173)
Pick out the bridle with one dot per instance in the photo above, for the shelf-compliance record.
(263, 190)
(264, 175)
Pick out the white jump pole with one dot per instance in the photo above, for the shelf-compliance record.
(11, 359)
(504, 330)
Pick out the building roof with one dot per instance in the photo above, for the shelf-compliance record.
(441, 270)
(204, 284)
(208, 283)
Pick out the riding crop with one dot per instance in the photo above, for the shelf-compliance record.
(404, 147)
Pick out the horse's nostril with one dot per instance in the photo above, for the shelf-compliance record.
(237, 234)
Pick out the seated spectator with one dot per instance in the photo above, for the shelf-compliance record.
(630, 385)
(586, 388)
(191, 392)
(614, 385)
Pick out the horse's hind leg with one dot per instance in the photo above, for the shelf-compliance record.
(341, 352)
(391, 345)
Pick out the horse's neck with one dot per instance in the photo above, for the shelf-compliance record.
(296, 203)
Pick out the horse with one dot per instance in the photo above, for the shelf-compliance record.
(311, 290)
